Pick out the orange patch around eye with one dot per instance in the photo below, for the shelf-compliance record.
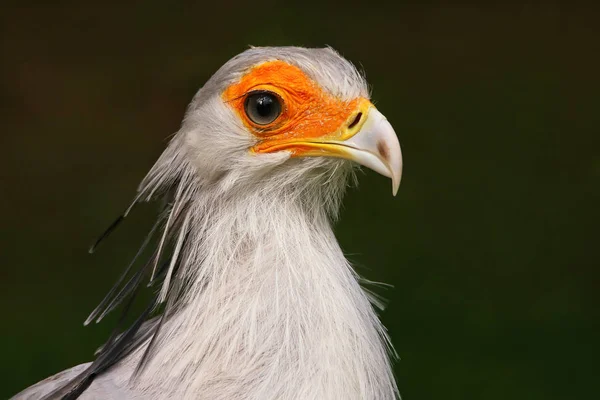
(307, 110)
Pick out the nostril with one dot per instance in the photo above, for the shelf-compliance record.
(356, 120)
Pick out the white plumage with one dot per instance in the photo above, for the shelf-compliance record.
(259, 300)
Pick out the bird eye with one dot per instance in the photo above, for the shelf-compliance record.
(262, 107)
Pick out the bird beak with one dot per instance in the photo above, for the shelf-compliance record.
(366, 137)
(375, 145)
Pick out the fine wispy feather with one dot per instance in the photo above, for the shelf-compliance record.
(253, 297)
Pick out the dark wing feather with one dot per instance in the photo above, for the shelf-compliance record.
(107, 233)
(111, 300)
(118, 349)
(144, 329)
(120, 345)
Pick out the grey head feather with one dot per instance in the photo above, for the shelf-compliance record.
(324, 65)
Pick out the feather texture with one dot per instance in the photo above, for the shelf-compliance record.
(258, 300)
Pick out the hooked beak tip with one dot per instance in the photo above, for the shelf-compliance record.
(395, 186)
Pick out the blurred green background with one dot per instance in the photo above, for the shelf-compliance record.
(491, 244)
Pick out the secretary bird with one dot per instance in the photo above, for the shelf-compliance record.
(255, 299)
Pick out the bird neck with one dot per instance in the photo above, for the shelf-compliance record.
(271, 308)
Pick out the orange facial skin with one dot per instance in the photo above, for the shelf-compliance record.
(308, 112)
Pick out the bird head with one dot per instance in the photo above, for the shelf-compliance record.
(281, 115)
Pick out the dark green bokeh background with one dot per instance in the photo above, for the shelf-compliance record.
(491, 244)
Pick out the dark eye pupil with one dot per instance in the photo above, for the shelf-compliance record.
(262, 107)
